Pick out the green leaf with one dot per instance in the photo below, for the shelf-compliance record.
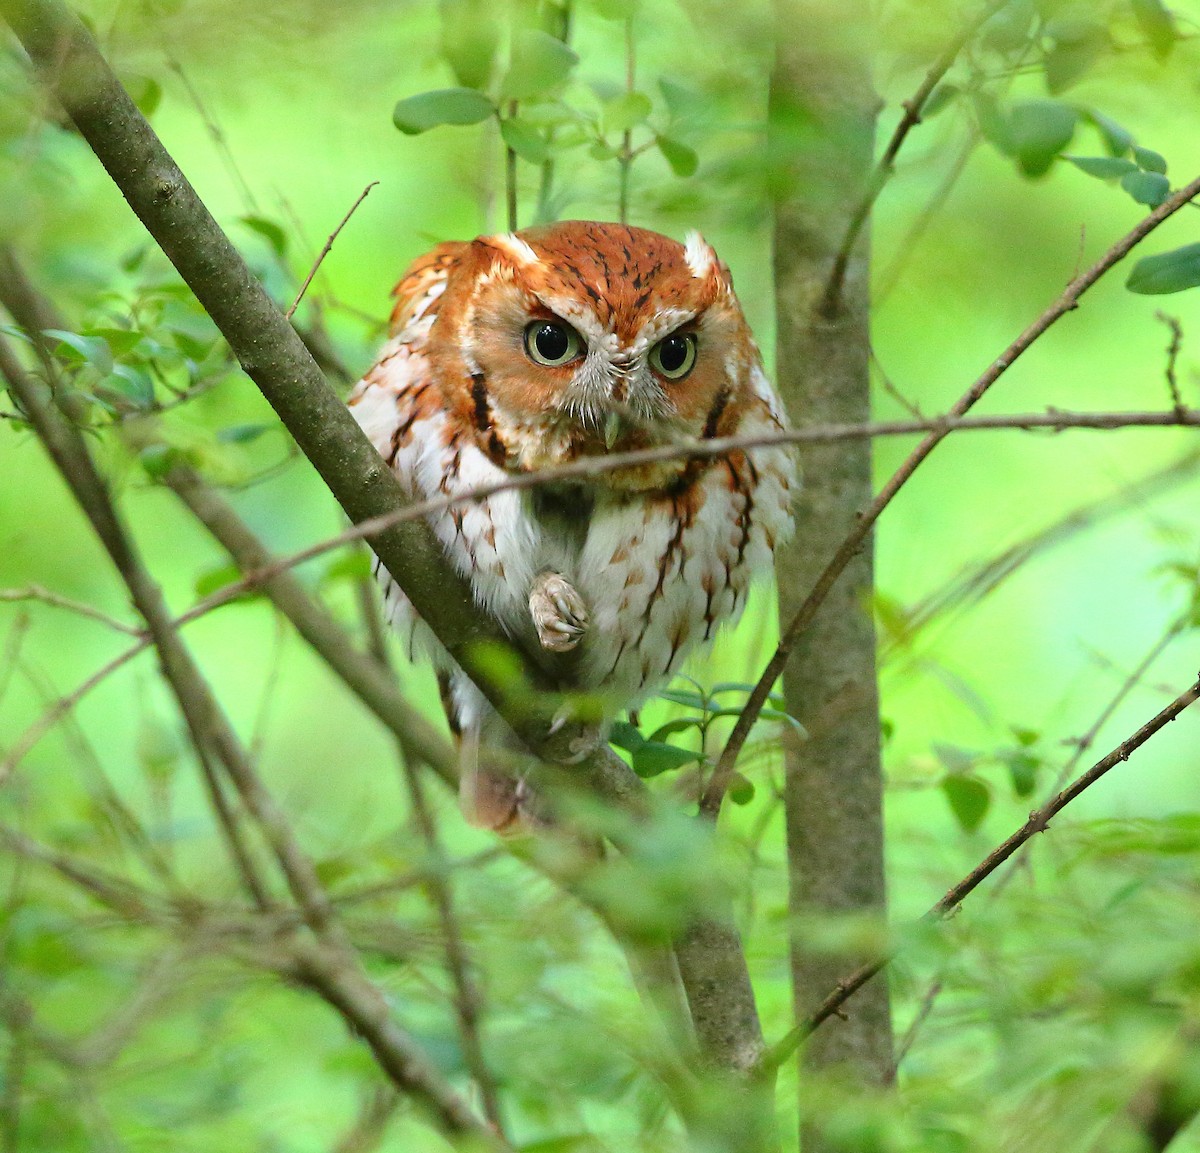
(969, 800)
(1076, 46)
(269, 231)
(993, 123)
(217, 578)
(651, 758)
(333, 869)
(470, 39)
(1157, 24)
(119, 340)
(132, 261)
(940, 99)
(426, 110)
(1148, 188)
(129, 384)
(159, 459)
(682, 102)
(782, 718)
(526, 142)
(1149, 160)
(1040, 130)
(601, 151)
(741, 790)
(159, 750)
(682, 159)
(1022, 769)
(192, 346)
(539, 64)
(679, 725)
(626, 736)
(1166, 272)
(1103, 167)
(145, 92)
(353, 565)
(1008, 29)
(51, 953)
(1117, 140)
(627, 111)
(615, 9)
(729, 711)
(554, 114)
(91, 350)
(681, 697)
(242, 433)
(956, 760)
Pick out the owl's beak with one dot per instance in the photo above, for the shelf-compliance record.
(612, 429)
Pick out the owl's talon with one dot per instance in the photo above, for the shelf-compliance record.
(558, 612)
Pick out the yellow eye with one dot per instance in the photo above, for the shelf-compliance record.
(674, 355)
(551, 342)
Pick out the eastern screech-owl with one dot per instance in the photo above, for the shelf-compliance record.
(522, 351)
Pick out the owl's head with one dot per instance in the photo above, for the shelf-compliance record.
(580, 338)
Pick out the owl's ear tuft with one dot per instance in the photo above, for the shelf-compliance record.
(703, 260)
(510, 245)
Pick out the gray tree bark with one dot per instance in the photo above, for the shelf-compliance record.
(822, 111)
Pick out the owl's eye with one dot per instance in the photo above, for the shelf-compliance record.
(550, 342)
(674, 355)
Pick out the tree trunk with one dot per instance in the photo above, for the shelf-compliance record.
(822, 112)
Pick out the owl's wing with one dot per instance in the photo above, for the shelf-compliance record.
(423, 283)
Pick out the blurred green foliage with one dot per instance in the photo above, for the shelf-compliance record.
(1022, 579)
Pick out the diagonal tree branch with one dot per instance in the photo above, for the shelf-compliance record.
(914, 106)
(327, 963)
(1067, 302)
(1038, 822)
(273, 356)
(364, 676)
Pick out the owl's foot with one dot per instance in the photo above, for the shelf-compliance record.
(558, 612)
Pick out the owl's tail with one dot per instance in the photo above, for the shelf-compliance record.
(489, 798)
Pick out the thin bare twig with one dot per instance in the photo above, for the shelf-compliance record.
(318, 628)
(1010, 869)
(255, 576)
(510, 175)
(1038, 822)
(625, 156)
(57, 600)
(883, 284)
(325, 251)
(468, 1000)
(1173, 350)
(913, 107)
(588, 467)
(546, 185)
(377, 1108)
(710, 804)
(217, 135)
(976, 580)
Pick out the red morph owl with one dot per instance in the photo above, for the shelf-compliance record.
(519, 352)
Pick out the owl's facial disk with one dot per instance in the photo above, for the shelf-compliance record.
(552, 361)
(588, 338)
